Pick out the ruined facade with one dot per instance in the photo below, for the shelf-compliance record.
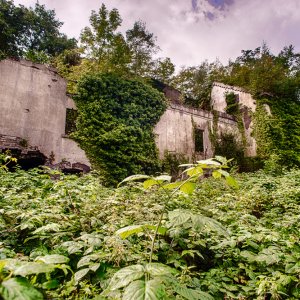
(34, 104)
(247, 106)
(181, 127)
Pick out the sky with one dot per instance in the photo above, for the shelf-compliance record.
(191, 31)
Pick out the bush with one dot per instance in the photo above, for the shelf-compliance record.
(116, 117)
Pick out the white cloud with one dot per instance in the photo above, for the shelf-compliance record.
(188, 37)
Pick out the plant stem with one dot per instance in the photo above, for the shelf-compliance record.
(162, 214)
(155, 234)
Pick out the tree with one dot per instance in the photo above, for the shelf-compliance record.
(195, 83)
(12, 29)
(272, 80)
(102, 43)
(31, 32)
(142, 45)
(164, 70)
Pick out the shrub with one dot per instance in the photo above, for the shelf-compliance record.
(115, 124)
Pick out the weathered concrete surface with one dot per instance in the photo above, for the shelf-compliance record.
(247, 106)
(219, 91)
(175, 130)
(28, 157)
(33, 106)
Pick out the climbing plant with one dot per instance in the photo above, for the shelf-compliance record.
(116, 117)
(272, 80)
(232, 103)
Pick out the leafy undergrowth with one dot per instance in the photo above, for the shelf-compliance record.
(62, 238)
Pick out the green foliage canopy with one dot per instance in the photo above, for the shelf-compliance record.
(63, 238)
(115, 124)
(272, 80)
(31, 33)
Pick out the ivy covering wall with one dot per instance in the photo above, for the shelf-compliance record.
(116, 117)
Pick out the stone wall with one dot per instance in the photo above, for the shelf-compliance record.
(175, 130)
(247, 106)
(219, 91)
(33, 106)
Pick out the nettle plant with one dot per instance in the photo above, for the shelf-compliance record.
(5, 160)
(153, 280)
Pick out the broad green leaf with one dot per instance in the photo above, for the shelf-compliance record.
(222, 159)
(129, 230)
(80, 274)
(208, 162)
(85, 260)
(293, 268)
(19, 289)
(141, 290)
(51, 284)
(52, 227)
(178, 217)
(134, 178)
(158, 269)
(195, 171)
(191, 253)
(30, 268)
(191, 294)
(150, 182)
(94, 266)
(188, 187)
(224, 173)
(269, 256)
(134, 229)
(161, 230)
(53, 259)
(73, 247)
(232, 182)
(126, 275)
(172, 186)
(200, 221)
(250, 256)
(92, 239)
(11, 264)
(163, 178)
(156, 181)
(216, 174)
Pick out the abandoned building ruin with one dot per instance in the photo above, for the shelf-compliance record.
(34, 105)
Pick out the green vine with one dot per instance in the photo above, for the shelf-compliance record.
(226, 143)
(213, 130)
(232, 106)
(116, 117)
(262, 131)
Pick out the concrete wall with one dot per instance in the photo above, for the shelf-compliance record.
(175, 131)
(247, 106)
(219, 91)
(33, 106)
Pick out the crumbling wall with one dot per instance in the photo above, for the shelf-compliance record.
(247, 106)
(219, 91)
(33, 106)
(176, 128)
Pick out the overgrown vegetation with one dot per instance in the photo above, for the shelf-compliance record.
(67, 237)
(115, 124)
(232, 102)
(31, 33)
(272, 80)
